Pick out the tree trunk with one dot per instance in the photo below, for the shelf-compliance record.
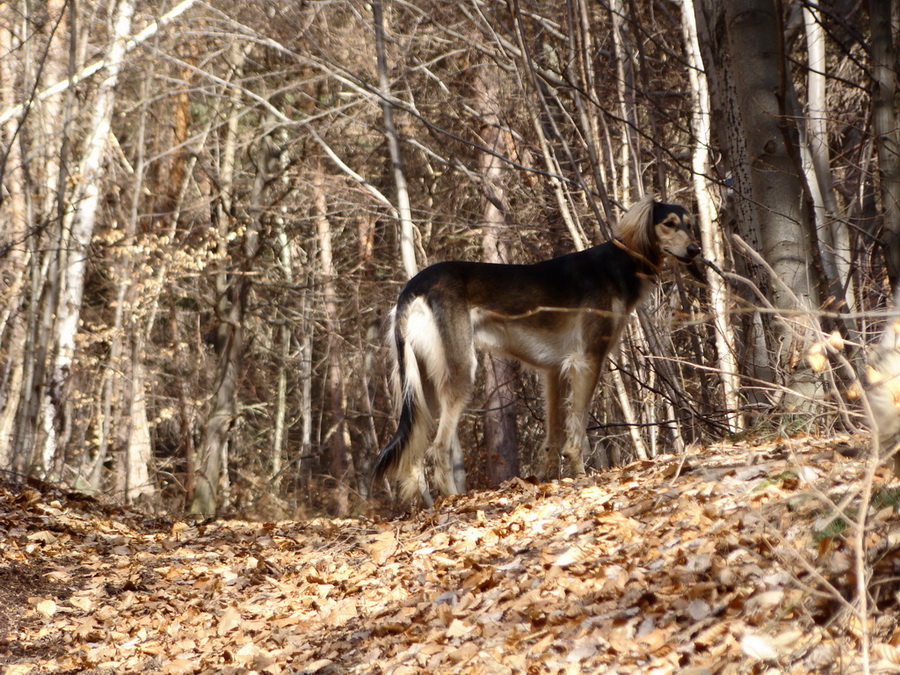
(13, 327)
(582, 68)
(407, 229)
(138, 448)
(78, 228)
(887, 137)
(767, 188)
(285, 336)
(500, 437)
(223, 409)
(334, 385)
(212, 461)
(631, 181)
(710, 228)
(38, 145)
(833, 233)
(546, 132)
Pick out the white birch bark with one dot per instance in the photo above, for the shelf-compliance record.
(62, 85)
(640, 448)
(768, 192)
(139, 447)
(12, 323)
(285, 335)
(79, 222)
(711, 235)
(631, 186)
(833, 233)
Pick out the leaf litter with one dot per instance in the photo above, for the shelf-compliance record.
(735, 558)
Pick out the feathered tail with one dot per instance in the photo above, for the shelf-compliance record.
(401, 459)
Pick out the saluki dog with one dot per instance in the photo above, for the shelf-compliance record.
(562, 317)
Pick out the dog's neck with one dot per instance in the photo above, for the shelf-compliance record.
(646, 264)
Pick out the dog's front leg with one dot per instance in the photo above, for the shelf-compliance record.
(458, 465)
(583, 379)
(554, 425)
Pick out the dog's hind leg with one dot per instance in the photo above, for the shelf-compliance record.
(453, 395)
(411, 468)
(458, 465)
(583, 379)
(449, 474)
(548, 462)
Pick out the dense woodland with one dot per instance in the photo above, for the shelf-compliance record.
(208, 209)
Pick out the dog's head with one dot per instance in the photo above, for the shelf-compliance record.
(673, 231)
(652, 230)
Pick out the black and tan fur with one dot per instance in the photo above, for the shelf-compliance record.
(562, 317)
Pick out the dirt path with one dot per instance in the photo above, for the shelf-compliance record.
(724, 560)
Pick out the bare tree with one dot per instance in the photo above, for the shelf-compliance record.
(407, 231)
(227, 333)
(213, 452)
(340, 456)
(768, 193)
(78, 229)
(500, 375)
(887, 129)
(707, 213)
(832, 231)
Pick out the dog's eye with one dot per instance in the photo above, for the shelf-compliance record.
(670, 223)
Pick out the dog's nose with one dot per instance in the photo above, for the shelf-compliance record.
(693, 251)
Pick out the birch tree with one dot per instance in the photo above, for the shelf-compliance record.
(832, 231)
(767, 189)
(78, 228)
(707, 215)
(37, 129)
(13, 238)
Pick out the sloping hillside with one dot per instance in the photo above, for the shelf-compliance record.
(728, 559)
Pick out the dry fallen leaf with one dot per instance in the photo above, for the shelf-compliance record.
(759, 647)
(570, 555)
(44, 537)
(675, 570)
(698, 609)
(458, 628)
(85, 604)
(247, 653)
(383, 547)
(230, 619)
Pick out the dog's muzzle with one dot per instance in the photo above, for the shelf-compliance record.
(693, 250)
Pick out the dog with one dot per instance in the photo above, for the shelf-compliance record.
(562, 317)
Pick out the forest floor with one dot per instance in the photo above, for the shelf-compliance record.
(732, 558)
